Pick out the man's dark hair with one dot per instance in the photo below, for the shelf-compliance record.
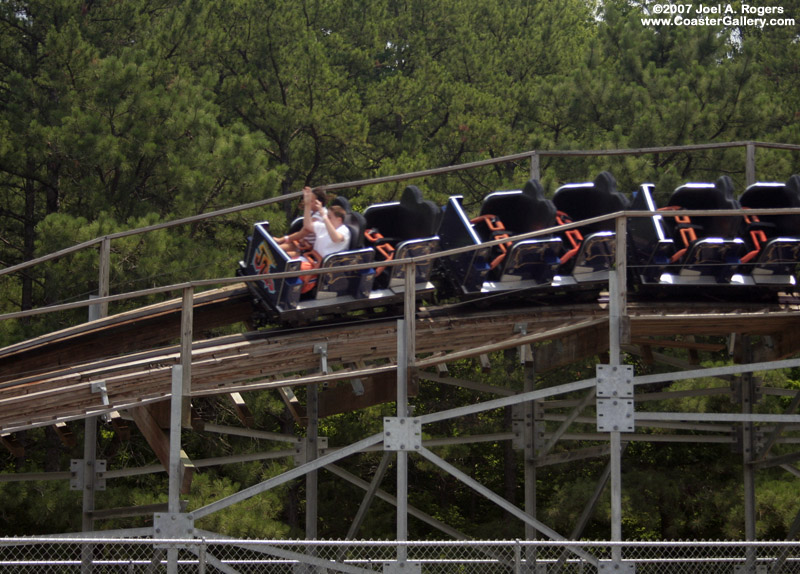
(321, 195)
(338, 212)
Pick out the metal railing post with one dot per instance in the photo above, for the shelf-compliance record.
(535, 167)
(104, 273)
(201, 558)
(750, 163)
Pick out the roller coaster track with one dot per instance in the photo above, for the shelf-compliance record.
(56, 377)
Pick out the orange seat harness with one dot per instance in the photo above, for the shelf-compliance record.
(384, 249)
(498, 231)
(574, 236)
(685, 229)
(757, 236)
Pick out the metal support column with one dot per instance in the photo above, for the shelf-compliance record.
(187, 334)
(617, 311)
(405, 370)
(175, 417)
(748, 398)
(88, 462)
(312, 478)
(529, 467)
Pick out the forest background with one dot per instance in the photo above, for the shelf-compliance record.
(119, 114)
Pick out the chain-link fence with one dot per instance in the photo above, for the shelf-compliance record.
(94, 555)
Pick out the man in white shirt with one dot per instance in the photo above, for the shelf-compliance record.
(302, 240)
(330, 234)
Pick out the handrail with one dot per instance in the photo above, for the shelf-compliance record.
(148, 229)
(394, 178)
(222, 281)
(532, 154)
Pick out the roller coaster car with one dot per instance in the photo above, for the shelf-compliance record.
(674, 249)
(591, 248)
(337, 291)
(510, 265)
(650, 245)
(399, 230)
(773, 241)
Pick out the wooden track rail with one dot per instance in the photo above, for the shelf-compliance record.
(143, 328)
(57, 390)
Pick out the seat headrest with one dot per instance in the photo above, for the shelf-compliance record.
(775, 195)
(605, 183)
(356, 223)
(411, 196)
(724, 186)
(533, 189)
(705, 196)
(521, 211)
(584, 201)
(420, 217)
(542, 210)
(793, 183)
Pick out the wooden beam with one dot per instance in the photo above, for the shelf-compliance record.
(65, 434)
(678, 344)
(146, 419)
(241, 409)
(780, 345)
(292, 403)
(148, 425)
(120, 426)
(378, 389)
(13, 446)
(560, 352)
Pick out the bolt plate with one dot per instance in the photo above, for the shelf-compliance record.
(177, 526)
(402, 433)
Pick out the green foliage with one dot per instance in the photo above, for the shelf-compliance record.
(38, 508)
(256, 517)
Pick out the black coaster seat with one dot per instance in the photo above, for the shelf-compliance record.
(402, 229)
(707, 247)
(505, 214)
(591, 248)
(773, 240)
